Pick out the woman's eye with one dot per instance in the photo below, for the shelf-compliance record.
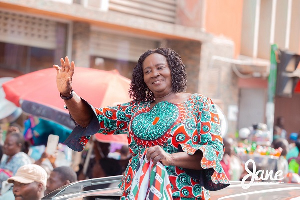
(160, 67)
(147, 72)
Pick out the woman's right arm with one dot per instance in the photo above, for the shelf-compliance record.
(80, 111)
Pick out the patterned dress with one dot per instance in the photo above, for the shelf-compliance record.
(176, 127)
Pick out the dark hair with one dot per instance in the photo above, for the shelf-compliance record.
(138, 88)
(66, 173)
(283, 143)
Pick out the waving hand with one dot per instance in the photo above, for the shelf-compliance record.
(64, 76)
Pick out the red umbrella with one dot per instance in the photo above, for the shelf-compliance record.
(36, 92)
(120, 139)
(297, 88)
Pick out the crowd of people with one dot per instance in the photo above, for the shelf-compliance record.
(288, 160)
(22, 177)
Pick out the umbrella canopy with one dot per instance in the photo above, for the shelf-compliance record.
(9, 112)
(36, 93)
(120, 139)
(297, 88)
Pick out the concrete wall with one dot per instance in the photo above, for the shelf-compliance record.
(217, 79)
(190, 55)
(191, 13)
(80, 44)
(224, 18)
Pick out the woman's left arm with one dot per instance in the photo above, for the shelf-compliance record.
(180, 159)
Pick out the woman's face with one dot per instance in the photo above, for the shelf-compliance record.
(157, 74)
(11, 147)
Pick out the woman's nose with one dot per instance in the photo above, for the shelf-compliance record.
(155, 73)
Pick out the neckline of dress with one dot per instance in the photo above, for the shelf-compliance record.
(185, 101)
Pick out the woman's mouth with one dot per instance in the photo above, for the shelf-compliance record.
(156, 82)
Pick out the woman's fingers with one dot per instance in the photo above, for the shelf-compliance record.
(57, 68)
(72, 68)
(67, 64)
(62, 62)
(150, 151)
(155, 154)
(156, 159)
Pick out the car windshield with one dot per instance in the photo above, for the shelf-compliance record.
(102, 188)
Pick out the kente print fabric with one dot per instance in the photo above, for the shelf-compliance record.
(189, 126)
(150, 181)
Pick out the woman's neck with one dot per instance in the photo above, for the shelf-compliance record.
(164, 97)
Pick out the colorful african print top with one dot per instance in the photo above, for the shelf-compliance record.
(189, 126)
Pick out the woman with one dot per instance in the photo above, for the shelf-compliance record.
(12, 158)
(180, 130)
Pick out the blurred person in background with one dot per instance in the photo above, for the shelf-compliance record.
(276, 133)
(44, 157)
(29, 182)
(13, 158)
(282, 163)
(124, 151)
(294, 167)
(225, 162)
(231, 164)
(103, 165)
(294, 162)
(293, 150)
(280, 123)
(47, 162)
(59, 177)
(120, 154)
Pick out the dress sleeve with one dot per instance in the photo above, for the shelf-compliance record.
(107, 120)
(209, 141)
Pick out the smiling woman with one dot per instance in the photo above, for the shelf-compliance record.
(13, 158)
(163, 124)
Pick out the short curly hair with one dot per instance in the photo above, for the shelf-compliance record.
(138, 89)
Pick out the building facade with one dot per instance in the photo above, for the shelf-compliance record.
(221, 44)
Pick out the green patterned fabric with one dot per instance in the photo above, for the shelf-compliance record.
(188, 126)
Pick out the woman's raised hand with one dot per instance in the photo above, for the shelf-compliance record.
(64, 76)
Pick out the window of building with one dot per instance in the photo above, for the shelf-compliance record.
(29, 43)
